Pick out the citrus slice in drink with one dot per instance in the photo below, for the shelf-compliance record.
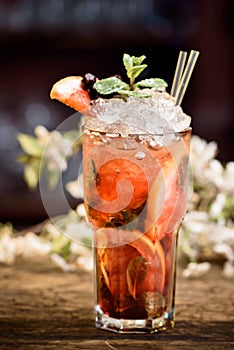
(117, 170)
(70, 92)
(167, 200)
(116, 191)
(152, 262)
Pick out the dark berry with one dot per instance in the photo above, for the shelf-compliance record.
(87, 84)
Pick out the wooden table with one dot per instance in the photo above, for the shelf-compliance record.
(44, 308)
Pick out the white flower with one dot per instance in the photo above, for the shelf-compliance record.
(81, 210)
(52, 230)
(85, 262)
(228, 179)
(31, 245)
(78, 249)
(225, 250)
(202, 152)
(56, 148)
(217, 206)
(79, 232)
(26, 246)
(42, 134)
(75, 188)
(56, 152)
(199, 226)
(207, 170)
(214, 172)
(58, 260)
(7, 249)
(228, 270)
(196, 270)
(207, 239)
(195, 221)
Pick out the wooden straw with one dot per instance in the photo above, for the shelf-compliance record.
(178, 72)
(186, 76)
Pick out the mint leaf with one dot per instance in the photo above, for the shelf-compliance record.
(134, 68)
(138, 60)
(110, 85)
(136, 272)
(135, 71)
(132, 61)
(136, 93)
(92, 178)
(127, 61)
(152, 83)
(154, 303)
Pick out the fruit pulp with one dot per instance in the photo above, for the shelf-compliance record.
(135, 194)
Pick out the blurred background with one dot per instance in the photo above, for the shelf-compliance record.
(42, 41)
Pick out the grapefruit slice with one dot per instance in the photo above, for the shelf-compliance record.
(167, 200)
(70, 92)
(166, 206)
(115, 171)
(118, 185)
(113, 238)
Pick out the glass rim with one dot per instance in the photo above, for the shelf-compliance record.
(143, 134)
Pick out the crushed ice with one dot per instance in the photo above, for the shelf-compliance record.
(157, 114)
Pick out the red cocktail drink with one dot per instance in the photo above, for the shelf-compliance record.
(135, 166)
(135, 197)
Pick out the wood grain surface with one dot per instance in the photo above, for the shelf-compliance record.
(43, 308)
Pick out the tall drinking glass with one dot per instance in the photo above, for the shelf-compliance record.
(135, 193)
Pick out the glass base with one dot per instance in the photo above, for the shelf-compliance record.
(149, 325)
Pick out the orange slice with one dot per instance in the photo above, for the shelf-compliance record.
(113, 239)
(70, 92)
(167, 200)
(119, 185)
(116, 170)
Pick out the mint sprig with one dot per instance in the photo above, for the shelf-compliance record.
(110, 85)
(152, 83)
(134, 68)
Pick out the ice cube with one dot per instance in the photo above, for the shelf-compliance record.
(157, 114)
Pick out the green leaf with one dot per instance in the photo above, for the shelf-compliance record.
(31, 175)
(133, 72)
(87, 242)
(152, 83)
(132, 61)
(53, 178)
(92, 178)
(137, 93)
(72, 134)
(127, 61)
(61, 245)
(110, 85)
(30, 145)
(58, 243)
(77, 144)
(138, 60)
(136, 272)
(154, 303)
(24, 158)
(133, 67)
